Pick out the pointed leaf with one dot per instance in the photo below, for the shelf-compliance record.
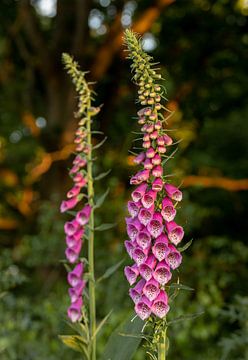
(100, 143)
(101, 199)
(102, 175)
(99, 327)
(185, 317)
(181, 287)
(186, 246)
(103, 227)
(123, 348)
(110, 270)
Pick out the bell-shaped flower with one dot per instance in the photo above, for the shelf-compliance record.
(160, 248)
(162, 273)
(174, 258)
(136, 292)
(133, 227)
(155, 226)
(168, 211)
(71, 227)
(160, 305)
(140, 255)
(74, 191)
(151, 289)
(143, 308)
(148, 198)
(83, 216)
(175, 232)
(74, 311)
(74, 277)
(139, 158)
(157, 184)
(145, 215)
(150, 153)
(156, 160)
(131, 273)
(69, 204)
(146, 269)
(143, 238)
(157, 171)
(77, 291)
(133, 208)
(138, 193)
(173, 192)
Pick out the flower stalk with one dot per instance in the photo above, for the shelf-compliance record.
(82, 225)
(151, 228)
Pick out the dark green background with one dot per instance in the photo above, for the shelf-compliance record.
(202, 48)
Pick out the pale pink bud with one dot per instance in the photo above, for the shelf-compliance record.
(148, 164)
(161, 149)
(167, 140)
(150, 153)
(154, 135)
(158, 125)
(156, 160)
(146, 144)
(160, 140)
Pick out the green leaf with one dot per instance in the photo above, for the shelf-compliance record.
(101, 199)
(104, 227)
(100, 143)
(102, 175)
(186, 246)
(181, 287)
(110, 271)
(75, 342)
(99, 327)
(185, 317)
(123, 347)
(81, 329)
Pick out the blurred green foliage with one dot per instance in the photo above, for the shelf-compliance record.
(202, 48)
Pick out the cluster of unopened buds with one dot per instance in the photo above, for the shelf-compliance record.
(74, 229)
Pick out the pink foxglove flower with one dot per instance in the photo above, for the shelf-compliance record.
(152, 231)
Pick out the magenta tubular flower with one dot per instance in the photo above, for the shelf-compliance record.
(161, 247)
(149, 198)
(160, 305)
(151, 289)
(175, 232)
(162, 273)
(174, 258)
(69, 204)
(74, 276)
(131, 272)
(143, 308)
(76, 291)
(136, 292)
(75, 310)
(168, 211)
(151, 228)
(173, 192)
(133, 208)
(145, 215)
(83, 216)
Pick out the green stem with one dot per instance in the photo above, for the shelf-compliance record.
(162, 346)
(92, 300)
